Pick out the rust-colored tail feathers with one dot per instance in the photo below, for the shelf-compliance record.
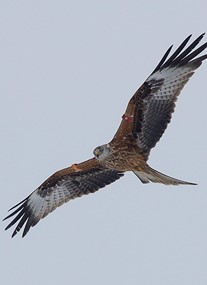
(152, 175)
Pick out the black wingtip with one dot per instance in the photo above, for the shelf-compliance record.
(181, 56)
(202, 35)
(14, 233)
(163, 59)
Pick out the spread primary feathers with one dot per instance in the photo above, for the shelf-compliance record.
(146, 117)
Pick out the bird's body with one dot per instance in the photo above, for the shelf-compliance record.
(147, 115)
(122, 156)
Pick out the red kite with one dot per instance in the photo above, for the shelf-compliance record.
(147, 115)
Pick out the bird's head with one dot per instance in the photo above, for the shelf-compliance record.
(102, 152)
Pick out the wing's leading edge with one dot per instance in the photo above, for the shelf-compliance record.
(150, 109)
(62, 186)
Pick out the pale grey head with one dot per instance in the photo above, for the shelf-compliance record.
(102, 152)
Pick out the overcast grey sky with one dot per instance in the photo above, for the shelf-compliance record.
(67, 71)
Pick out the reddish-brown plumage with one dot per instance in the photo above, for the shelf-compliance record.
(146, 117)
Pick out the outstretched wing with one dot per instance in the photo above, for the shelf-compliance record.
(150, 109)
(61, 187)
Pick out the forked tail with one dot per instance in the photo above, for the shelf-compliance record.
(155, 176)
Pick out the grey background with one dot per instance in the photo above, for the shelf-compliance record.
(67, 71)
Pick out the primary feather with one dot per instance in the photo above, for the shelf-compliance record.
(60, 188)
(147, 115)
(155, 105)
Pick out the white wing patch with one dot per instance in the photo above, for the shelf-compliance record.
(158, 106)
(173, 81)
(57, 190)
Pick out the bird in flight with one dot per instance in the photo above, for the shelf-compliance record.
(146, 117)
